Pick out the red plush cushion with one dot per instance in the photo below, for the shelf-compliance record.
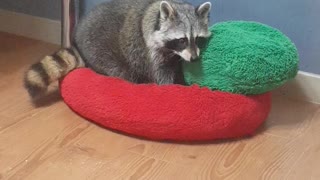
(170, 112)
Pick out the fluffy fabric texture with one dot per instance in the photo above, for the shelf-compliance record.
(245, 58)
(170, 112)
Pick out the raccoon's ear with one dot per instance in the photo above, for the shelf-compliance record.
(204, 10)
(166, 10)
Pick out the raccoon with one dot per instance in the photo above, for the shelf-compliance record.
(141, 41)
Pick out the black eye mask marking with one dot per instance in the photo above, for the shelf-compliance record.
(177, 44)
(201, 42)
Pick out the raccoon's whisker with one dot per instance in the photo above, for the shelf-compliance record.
(172, 54)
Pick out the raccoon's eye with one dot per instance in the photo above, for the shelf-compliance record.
(183, 41)
(201, 42)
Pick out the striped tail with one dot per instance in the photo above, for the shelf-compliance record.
(50, 69)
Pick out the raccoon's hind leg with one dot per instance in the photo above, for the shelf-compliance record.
(50, 69)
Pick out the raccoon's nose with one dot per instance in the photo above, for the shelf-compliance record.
(194, 57)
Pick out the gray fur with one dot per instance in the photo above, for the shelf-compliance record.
(120, 38)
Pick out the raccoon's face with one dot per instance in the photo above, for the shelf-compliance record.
(184, 28)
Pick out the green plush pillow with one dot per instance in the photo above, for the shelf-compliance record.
(245, 58)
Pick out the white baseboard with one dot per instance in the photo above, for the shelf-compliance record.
(30, 26)
(305, 87)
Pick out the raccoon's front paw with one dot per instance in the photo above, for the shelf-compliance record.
(180, 81)
(179, 78)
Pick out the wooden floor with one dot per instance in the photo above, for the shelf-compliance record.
(51, 142)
